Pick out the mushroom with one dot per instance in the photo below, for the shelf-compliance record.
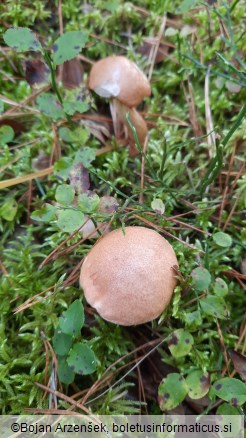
(121, 81)
(129, 277)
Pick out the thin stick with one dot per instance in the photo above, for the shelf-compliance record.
(231, 212)
(161, 230)
(24, 101)
(209, 120)
(154, 53)
(60, 17)
(29, 302)
(131, 369)
(21, 179)
(222, 343)
(64, 397)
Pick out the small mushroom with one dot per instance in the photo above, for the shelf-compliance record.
(129, 277)
(125, 85)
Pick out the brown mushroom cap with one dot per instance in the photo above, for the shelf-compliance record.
(128, 278)
(117, 77)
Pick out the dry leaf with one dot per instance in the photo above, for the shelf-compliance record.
(72, 73)
(36, 71)
(239, 362)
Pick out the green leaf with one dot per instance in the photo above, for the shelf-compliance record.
(186, 5)
(112, 5)
(181, 343)
(71, 107)
(70, 220)
(45, 214)
(236, 421)
(66, 134)
(65, 373)
(193, 319)
(62, 167)
(68, 46)
(82, 359)
(201, 278)
(172, 391)
(222, 239)
(220, 287)
(1, 106)
(214, 306)
(198, 384)
(227, 409)
(88, 202)
(9, 209)
(72, 320)
(231, 390)
(50, 106)
(170, 31)
(79, 135)
(187, 30)
(65, 194)
(6, 134)
(158, 206)
(85, 156)
(22, 39)
(62, 342)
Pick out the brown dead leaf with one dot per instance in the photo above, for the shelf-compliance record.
(72, 73)
(99, 130)
(17, 126)
(36, 71)
(42, 161)
(239, 362)
(108, 204)
(79, 178)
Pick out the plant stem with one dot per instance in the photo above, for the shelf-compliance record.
(235, 125)
(217, 162)
(53, 78)
(134, 132)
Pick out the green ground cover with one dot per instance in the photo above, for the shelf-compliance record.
(194, 192)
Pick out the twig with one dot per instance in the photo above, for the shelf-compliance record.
(25, 101)
(131, 369)
(64, 397)
(209, 121)
(222, 343)
(156, 47)
(231, 212)
(21, 179)
(161, 230)
(60, 17)
(30, 301)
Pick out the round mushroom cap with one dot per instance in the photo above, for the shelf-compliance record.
(117, 77)
(129, 278)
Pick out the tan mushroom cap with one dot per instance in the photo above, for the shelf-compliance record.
(129, 278)
(117, 77)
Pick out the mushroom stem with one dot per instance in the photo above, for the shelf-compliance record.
(118, 110)
(122, 129)
(141, 130)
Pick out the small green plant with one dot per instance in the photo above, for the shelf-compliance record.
(74, 201)
(174, 388)
(66, 47)
(74, 356)
(191, 190)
